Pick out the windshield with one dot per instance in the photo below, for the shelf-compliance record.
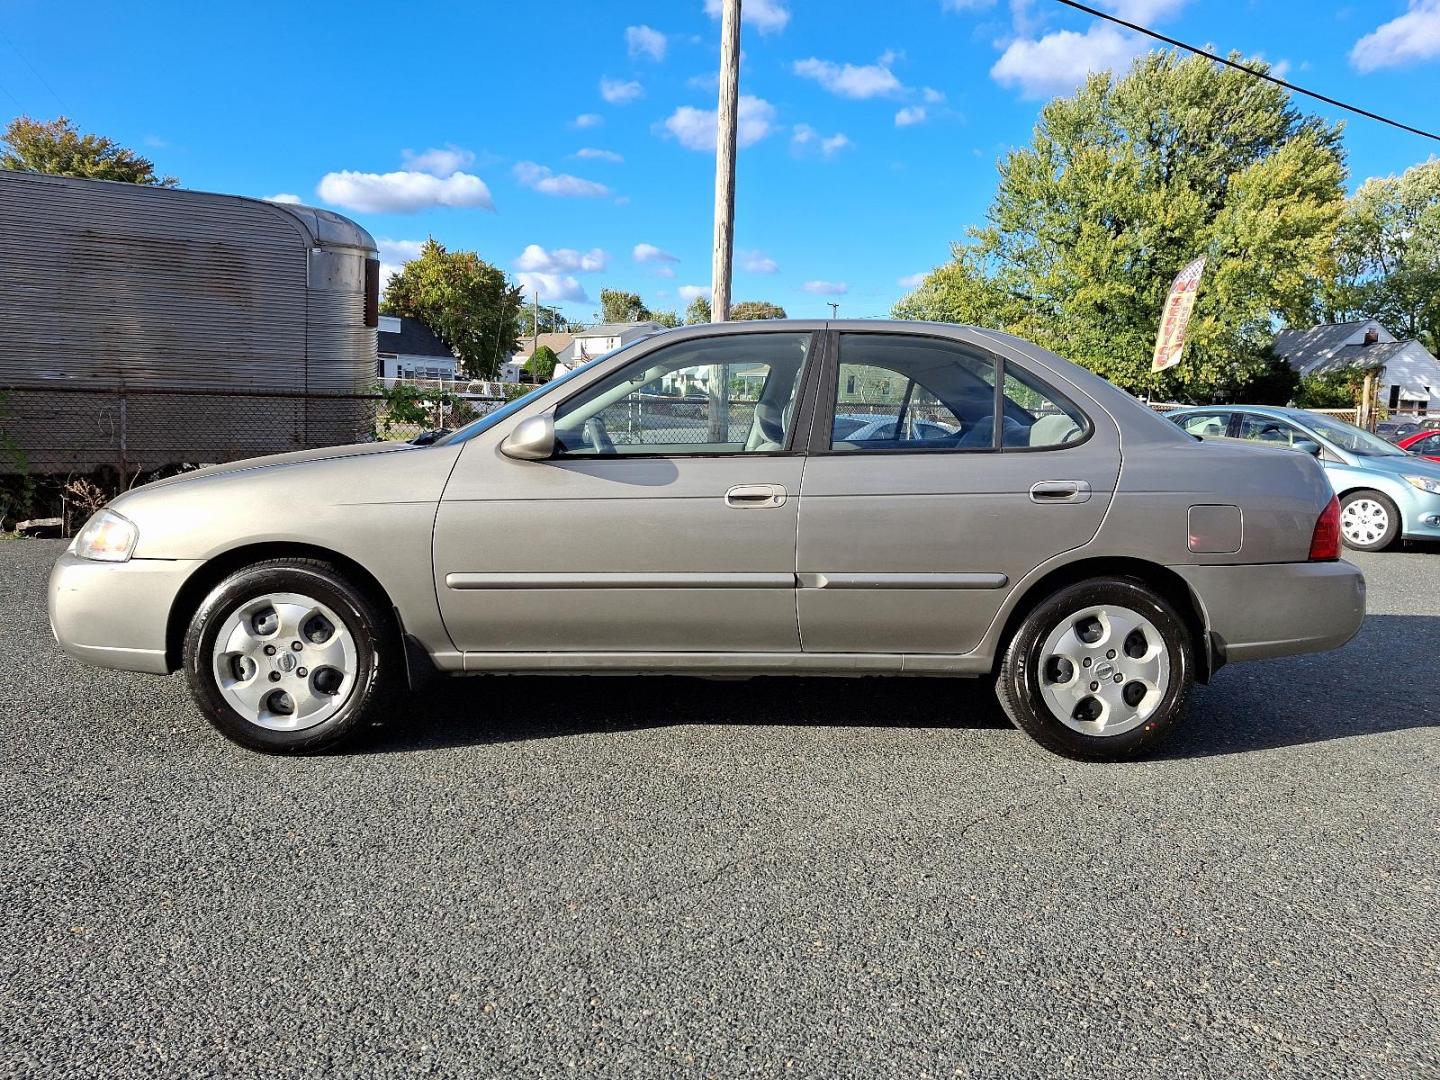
(1351, 438)
(484, 423)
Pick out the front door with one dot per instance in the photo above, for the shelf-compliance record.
(921, 510)
(665, 522)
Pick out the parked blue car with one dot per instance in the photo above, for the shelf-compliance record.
(1385, 494)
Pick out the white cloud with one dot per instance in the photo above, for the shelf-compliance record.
(910, 281)
(1144, 11)
(619, 92)
(403, 192)
(857, 81)
(767, 16)
(694, 128)
(553, 288)
(590, 153)
(933, 96)
(284, 197)
(649, 253)
(910, 115)
(757, 262)
(1407, 39)
(643, 41)
(826, 288)
(1059, 62)
(587, 120)
(804, 138)
(562, 185)
(690, 292)
(441, 162)
(398, 251)
(536, 259)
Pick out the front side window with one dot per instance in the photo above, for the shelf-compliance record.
(912, 393)
(1267, 429)
(728, 395)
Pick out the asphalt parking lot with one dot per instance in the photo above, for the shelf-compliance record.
(655, 877)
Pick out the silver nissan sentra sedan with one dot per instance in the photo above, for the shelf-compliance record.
(691, 504)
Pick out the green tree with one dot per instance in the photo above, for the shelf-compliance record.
(542, 363)
(1125, 182)
(698, 311)
(1387, 255)
(549, 318)
(757, 309)
(622, 307)
(57, 147)
(1331, 389)
(469, 304)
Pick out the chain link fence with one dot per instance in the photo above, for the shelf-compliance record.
(66, 429)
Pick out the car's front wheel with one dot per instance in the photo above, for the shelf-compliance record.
(1100, 670)
(1369, 521)
(286, 656)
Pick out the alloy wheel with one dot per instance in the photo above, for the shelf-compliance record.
(1104, 670)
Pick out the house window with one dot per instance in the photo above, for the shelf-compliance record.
(1394, 397)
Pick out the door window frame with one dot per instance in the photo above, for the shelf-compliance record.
(826, 395)
(793, 447)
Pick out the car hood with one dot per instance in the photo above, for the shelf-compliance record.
(1407, 465)
(275, 461)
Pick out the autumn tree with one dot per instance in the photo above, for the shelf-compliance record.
(1126, 181)
(622, 307)
(57, 147)
(469, 304)
(549, 320)
(1387, 254)
(698, 311)
(756, 309)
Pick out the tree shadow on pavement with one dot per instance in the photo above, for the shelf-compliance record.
(1386, 680)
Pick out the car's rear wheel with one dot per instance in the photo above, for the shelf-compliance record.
(285, 656)
(1100, 670)
(1369, 521)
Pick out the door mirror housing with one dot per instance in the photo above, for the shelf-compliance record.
(1308, 446)
(532, 440)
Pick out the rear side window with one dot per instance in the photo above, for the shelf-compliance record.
(894, 392)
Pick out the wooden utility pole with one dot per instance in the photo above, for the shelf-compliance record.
(725, 123)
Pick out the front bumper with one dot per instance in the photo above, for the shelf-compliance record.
(1420, 514)
(1264, 610)
(114, 615)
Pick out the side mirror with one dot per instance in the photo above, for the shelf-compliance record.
(532, 439)
(1306, 446)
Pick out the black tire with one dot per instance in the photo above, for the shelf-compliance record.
(1018, 683)
(1392, 528)
(378, 661)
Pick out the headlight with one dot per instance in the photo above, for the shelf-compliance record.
(1424, 483)
(107, 537)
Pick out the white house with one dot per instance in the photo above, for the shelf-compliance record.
(1408, 375)
(599, 340)
(408, 349)
(514, 368)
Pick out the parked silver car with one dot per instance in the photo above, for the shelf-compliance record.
(1041, 528)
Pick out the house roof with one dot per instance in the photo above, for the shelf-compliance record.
(557, 342)
(1303, 348)
(1364, 357)
(414, 339)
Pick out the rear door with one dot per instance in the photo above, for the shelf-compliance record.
(910, 542)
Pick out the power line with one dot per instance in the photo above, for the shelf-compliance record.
(26, 61)
(1248, 70)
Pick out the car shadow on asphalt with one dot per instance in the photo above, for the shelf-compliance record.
(1258, 706)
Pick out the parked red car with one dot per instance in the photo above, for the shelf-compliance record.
(1424, 443)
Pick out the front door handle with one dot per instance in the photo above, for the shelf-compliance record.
(755, 496)
(1060, 491)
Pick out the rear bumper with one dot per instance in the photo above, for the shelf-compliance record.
(114, 615)
(1266, 610)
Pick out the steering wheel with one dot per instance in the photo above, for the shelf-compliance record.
(597, 438)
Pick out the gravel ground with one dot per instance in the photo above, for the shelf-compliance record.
(658, 877)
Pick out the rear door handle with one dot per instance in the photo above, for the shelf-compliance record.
(755, 496)
(1060, 491)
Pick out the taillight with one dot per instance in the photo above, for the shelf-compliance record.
(1325, 540)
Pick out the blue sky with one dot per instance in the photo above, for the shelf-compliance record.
(572, 142)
